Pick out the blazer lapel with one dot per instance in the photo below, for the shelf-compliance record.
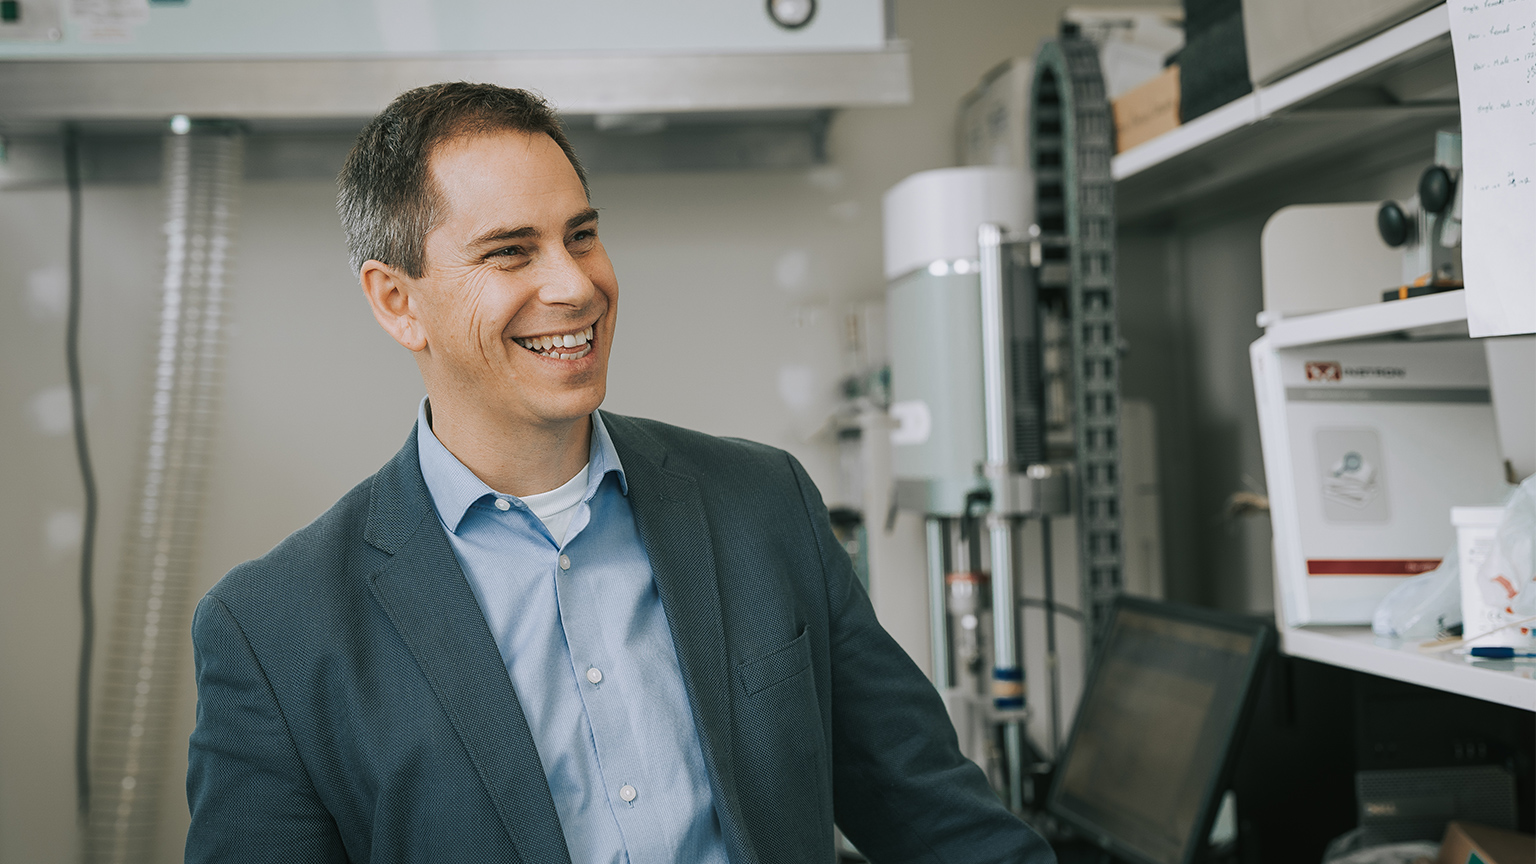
(669, 513)
(429, 602)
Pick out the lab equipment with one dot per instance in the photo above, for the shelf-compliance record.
(1151, 752)
(1428, 227)
(1005, 385)
(1402, 804)
(1358, 470)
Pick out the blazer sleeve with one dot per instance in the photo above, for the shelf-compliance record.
(902, 790)
(250, 796)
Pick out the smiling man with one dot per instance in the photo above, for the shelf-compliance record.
(543, 633)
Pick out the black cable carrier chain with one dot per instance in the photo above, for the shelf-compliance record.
(1071, 144)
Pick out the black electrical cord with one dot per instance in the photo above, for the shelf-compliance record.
(87, 479)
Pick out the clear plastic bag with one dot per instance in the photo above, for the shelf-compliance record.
(1505, 579)
(1422, 607)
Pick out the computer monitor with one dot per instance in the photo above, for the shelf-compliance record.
(1148, 759)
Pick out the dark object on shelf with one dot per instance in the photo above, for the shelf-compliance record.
(1405, 804)
(1403, 292)
(1393, 224)
(1406, 732)
(1213, 65)
(1436, 189)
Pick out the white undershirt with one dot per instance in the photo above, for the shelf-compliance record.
(556, 507)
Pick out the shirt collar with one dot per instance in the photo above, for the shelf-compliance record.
(455, 488)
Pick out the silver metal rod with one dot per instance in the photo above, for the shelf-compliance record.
(1013, 752)
(1052, 659)
(994, 350)
(938, 612)
(1007, 676)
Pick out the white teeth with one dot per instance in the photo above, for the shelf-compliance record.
(544, 344)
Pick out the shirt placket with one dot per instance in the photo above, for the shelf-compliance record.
(620, 764)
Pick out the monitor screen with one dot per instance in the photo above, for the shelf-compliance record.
(1143, 767)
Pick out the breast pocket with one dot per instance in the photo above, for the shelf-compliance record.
(782, 764)
(776, 666)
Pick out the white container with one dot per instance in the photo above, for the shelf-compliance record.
(1475, 529)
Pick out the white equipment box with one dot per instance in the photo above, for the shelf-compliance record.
(1367, 446)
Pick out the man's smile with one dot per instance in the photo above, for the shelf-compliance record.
(560, 346)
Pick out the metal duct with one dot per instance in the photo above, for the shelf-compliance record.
(150, 620)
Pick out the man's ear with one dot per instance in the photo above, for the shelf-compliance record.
(390, 296)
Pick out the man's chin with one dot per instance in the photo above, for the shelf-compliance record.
(567, 408)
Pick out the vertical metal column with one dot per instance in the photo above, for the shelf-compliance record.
(997, 387)
(938, 615)
(152, 609)
(1007, 676)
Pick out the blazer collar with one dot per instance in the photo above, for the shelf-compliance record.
(425, 596)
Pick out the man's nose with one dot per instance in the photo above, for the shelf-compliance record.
(563, 282)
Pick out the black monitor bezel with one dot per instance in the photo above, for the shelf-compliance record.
(1263, 634)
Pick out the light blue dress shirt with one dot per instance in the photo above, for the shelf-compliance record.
(584, 638)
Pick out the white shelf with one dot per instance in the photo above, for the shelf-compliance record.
(1361, 322)
(1309, 118)
(1202, 130)
(1350, 64)
(1507, 682)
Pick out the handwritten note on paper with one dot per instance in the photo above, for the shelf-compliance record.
(1495, 45)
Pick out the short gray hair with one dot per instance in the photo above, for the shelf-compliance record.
(386, 198)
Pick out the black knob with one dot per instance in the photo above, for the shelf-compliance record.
(1392, 222)
(1435, 189)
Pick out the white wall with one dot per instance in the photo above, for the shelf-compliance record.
(746, 269)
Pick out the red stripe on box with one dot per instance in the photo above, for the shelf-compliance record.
(1370, 566)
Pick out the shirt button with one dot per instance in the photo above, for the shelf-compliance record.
(503, 504)
(627, 792)
(595, 675)
(565, 562)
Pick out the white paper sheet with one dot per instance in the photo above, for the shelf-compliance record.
(1495, 45)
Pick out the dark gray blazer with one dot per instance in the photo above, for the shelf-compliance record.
(352, 704)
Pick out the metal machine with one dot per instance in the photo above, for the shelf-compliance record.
(1005, 388)
(1428, 227)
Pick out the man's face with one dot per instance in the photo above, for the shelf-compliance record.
(518, 298)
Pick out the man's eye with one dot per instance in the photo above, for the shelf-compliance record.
(583, 238)
(510, 251)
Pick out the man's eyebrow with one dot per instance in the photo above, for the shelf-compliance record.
(501, 235)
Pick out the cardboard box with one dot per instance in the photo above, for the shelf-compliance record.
(1470, 843)
(1147, 111)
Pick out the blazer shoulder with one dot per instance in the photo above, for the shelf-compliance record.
(701, 450)
(306, 560)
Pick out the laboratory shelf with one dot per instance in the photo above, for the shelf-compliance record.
(1507, 682)
(1199, 132)
(1432, 311)
(1382, 94)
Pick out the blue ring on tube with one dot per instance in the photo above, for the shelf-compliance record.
(1006, 697)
